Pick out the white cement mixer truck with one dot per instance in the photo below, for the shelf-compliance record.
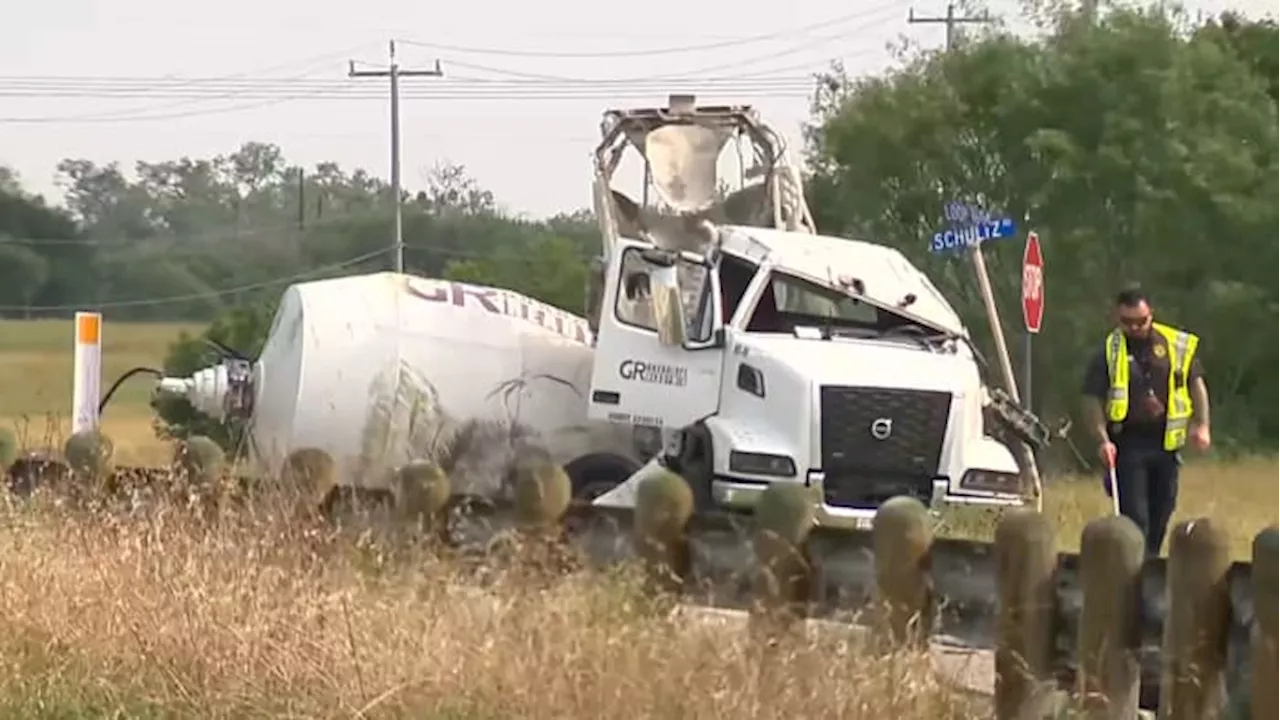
(381, 369)
(726, 340)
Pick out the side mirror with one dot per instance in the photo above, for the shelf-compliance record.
(659, 257)
(668, 307)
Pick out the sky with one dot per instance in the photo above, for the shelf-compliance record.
(148, 80)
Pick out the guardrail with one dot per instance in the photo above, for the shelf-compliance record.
(1105, 630)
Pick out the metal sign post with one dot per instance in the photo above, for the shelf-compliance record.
(1032, 304)
(970, 228)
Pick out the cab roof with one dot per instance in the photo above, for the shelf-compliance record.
(886, 274)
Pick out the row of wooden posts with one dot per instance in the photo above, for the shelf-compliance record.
(1193, 681)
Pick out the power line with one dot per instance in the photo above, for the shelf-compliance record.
(189, 242)
(649, 52)
(309, 63)
(393, 73)
(47, 120)
(175, 245)
(208, 295)
(755, 90)
(482, 93)
(774, 74)
(266, 92)
(75, 86)
(17, 85)
(262, 285)
(566, 95)
(185, 241)
(453, 91)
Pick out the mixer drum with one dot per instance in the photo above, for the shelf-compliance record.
(382, 369)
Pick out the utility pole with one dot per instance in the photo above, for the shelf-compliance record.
(394, 72)
(951, 20)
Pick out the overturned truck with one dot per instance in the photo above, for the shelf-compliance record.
(764, 352)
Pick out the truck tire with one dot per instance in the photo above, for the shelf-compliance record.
(596, 474)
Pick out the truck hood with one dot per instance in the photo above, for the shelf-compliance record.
(873, 363)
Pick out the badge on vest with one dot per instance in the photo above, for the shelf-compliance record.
(1158, 350)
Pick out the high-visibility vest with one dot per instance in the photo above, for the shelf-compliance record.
(1181, 346)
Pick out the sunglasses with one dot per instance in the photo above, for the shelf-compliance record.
(1137, 323)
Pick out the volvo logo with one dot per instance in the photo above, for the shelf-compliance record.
(882, 428)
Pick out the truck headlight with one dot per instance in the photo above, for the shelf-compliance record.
(992, 481)
(761, 464)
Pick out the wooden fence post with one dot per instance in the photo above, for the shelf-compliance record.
(1196, 626)
(91, 457)
(1026, 564)
(1264, 696)
(542, 495)
(1109, 676)
(422, 491)
(902, 537)
(664, 504)
(308, 474)
(784, 517)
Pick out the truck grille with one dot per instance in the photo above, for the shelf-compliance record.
(863, 470)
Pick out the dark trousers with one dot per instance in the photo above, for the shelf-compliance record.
(1148, 483)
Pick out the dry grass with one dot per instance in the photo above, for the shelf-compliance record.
(1242, 496)
(167, 617)
(252, 618)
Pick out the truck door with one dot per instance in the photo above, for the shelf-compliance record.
(641, 376)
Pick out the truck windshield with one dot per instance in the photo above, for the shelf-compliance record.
(789, 302)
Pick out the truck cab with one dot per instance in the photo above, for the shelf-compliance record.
(765, 352)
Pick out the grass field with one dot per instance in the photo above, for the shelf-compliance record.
(263, 617)
(35, 381)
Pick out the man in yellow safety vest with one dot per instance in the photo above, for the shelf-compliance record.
(1145, 396)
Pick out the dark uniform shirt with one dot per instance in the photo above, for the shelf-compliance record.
(1148, 378)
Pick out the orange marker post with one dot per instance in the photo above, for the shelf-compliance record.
(87, 380)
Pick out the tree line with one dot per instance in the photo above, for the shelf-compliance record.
(191, 238)
(1141, 145)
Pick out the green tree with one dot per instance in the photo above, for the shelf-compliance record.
(1136, 150)
(550, 268)
(40, 252)
(23, 272)
(1256, 43)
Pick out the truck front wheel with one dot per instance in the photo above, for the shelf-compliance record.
(594, 475)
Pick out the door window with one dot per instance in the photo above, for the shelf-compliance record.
(633, 305)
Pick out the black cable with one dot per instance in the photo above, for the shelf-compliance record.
(120, 381)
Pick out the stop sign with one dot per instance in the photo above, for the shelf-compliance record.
(1032, 284)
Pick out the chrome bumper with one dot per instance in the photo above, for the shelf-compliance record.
(745, 495)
